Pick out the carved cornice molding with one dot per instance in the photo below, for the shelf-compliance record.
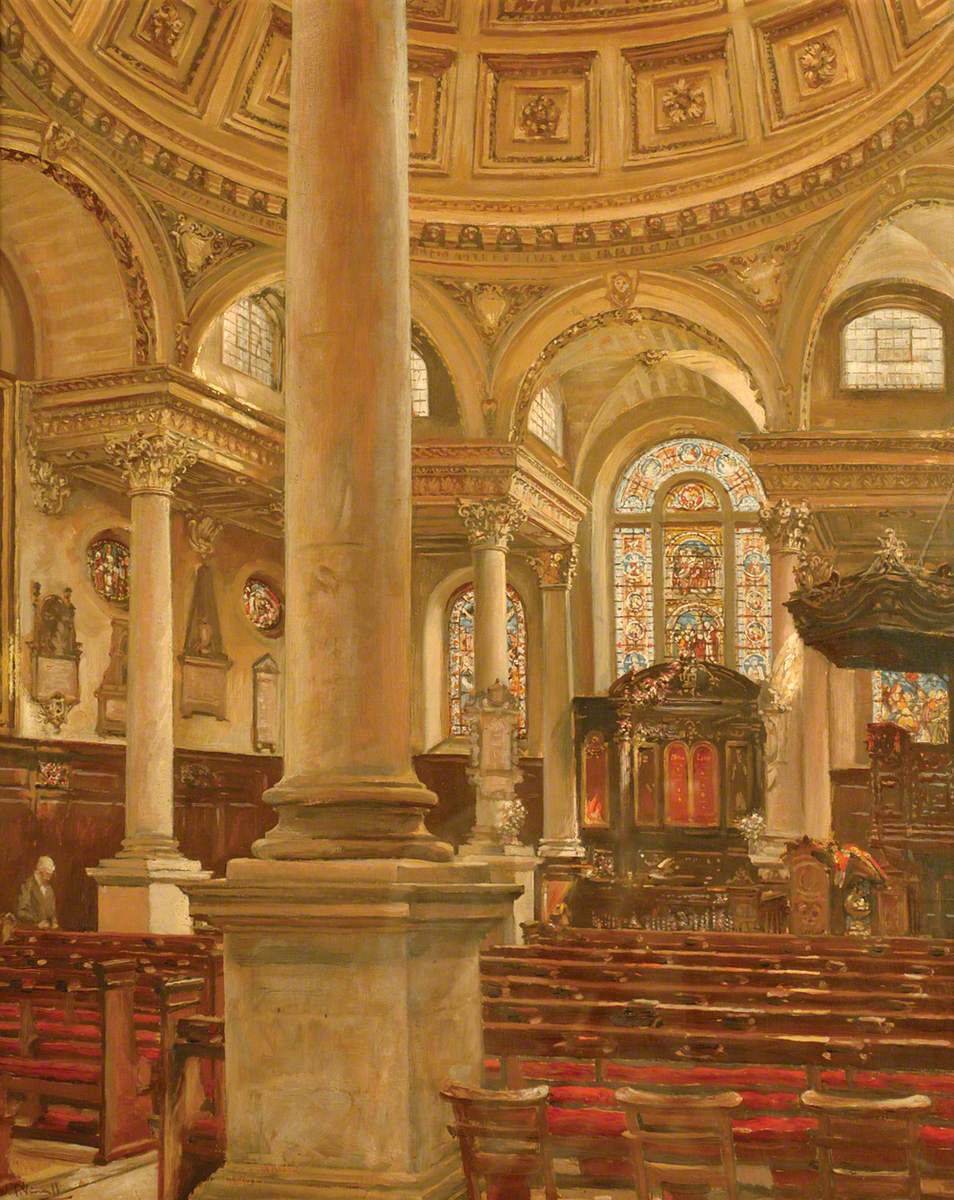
(130, 266)
(556, 568)
(491, 524)
(444, 473)
(787, 525)
(152, 462)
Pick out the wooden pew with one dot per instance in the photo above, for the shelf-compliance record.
(192, 1126)
(73, 1055)
(9, 1182)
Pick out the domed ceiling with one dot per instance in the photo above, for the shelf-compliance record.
(599, 128)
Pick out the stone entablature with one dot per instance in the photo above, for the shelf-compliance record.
(443, 473)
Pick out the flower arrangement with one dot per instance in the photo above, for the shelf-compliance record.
(752, 828)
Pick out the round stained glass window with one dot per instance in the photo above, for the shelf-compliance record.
(107, 561)
(263, 605)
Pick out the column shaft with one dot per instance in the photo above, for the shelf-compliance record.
(149, 704)
(491, 660)
(349, 789)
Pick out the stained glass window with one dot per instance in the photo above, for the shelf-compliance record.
(893, 348)
(640, 483)
(753, 613)
(690, 569)
(692, 496)
(461, 656)
(633, 585)
(420, 397)
(248, 340)
(107, 561)
(918, 703)
(263, 605)
(694, 592)
(545, 419)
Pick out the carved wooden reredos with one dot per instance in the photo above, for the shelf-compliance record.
(667, 763)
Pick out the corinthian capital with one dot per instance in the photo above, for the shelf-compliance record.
(556, 568)
(152, 462)
(491, 523)
(787, 525)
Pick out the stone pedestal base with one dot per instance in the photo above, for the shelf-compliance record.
(360, 980)
(561, 850)
(144, 895)
(515, 865)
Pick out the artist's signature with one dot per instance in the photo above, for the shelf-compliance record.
(46, 1191)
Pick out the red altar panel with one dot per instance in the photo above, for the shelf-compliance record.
(705, 784)
(595, 780)
(647, 812)
(677, 784)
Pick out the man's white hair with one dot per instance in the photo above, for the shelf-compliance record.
(45, 863)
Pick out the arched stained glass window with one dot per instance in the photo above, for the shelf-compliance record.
(918, 703)
(893, 348)
(460, 659)
(420, 396)
(690, 563)
(545, 419)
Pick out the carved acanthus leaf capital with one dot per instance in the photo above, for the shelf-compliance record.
(787, 525)
(491, 523)
(556, 568)
(51, 488)
(152, 462)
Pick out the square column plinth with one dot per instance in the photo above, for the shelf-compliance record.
(351, 995)
(139, 895)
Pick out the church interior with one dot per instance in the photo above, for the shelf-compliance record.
(477, 553)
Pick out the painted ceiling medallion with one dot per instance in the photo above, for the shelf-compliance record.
(684, 103)
(540, 116)
(818, 63)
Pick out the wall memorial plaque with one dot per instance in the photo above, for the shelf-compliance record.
(54, 657)
(266, 710)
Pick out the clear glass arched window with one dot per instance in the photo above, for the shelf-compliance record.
(691, 569)
(420, 397)
(460, 657)
(545, 419)
(893, 348)
(918, 703)
(248, 340)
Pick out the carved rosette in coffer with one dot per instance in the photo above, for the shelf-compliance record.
(682, 97)
(538, 113)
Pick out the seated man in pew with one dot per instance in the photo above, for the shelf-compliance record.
(36, 904)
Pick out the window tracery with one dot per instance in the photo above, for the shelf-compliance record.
(691, 568)
(248, 340)
(893, 348)
(460, 624)
(545, 419)
(420, 395)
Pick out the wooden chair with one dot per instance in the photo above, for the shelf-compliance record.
(867, 1147)
(681, 1143)
(503, 1140)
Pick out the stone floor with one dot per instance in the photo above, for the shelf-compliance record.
(54, 1171)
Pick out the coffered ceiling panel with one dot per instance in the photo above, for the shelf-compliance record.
(813, 60)
(537, 111)
(261, 106)
(682, 96)
(170, 47)
(431, 80)
(551, 14)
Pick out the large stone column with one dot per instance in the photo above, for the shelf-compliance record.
(139, 890)
(359, 976)
(787, 527)
(555, 570)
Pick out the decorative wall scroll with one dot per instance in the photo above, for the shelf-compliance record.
(205, 664)
(266, 705)
(107, 561)
(54, 657)
(264, 606)
(111, 693)
(595, 813)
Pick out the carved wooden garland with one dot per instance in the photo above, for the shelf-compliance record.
(140, 299)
